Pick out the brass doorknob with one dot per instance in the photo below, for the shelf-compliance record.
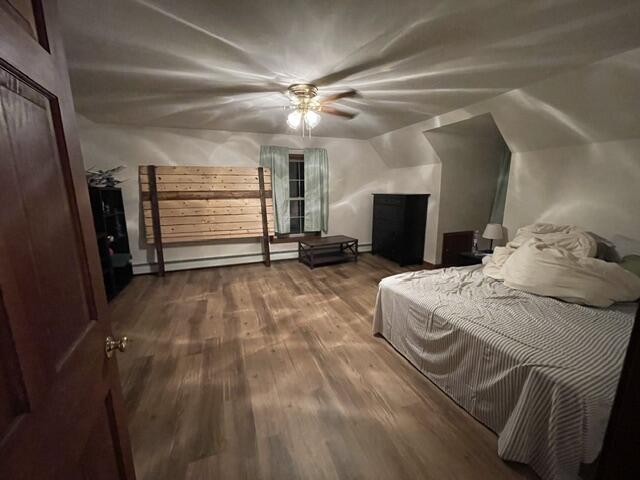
(112, 344)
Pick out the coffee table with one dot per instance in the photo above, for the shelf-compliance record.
(317, 251)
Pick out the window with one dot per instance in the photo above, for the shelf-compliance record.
(296, 202)
(296, 193)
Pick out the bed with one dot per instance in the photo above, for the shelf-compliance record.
(540, 372)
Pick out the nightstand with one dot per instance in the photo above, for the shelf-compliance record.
(472, 258)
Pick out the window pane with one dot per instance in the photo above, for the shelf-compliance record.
(302, 225)
(293, 170)
(301, 170)
(295, 208)
(295, 225)
(302, 208)
(293, 189)
(301, 188)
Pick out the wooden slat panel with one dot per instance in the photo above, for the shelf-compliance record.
(210, 227)
(168, 170)
(188, 212)
(207, 203)
(210, 203)
(209, 235)
(221, 231)
(205, 220)
(215, 234)
(144, 178)
(202, 187)
(216, 195)
(185, 239)
(171, 240)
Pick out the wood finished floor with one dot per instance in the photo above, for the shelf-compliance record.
(272, 373)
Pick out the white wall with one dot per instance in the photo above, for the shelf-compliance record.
(470, 152)
(595, 186)
(575, 142)
(355, 172)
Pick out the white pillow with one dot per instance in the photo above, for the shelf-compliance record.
(552, 271)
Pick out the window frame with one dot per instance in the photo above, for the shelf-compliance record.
(295, 237)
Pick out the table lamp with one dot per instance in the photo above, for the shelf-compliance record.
(493, 231)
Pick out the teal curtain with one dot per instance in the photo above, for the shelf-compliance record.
(277, 159)
(497, 208)
(316, 190)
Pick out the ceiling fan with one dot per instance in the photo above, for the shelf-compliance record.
(306, 107)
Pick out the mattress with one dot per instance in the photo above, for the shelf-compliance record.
(539, 372)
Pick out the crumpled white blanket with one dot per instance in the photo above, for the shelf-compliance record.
(557, 261)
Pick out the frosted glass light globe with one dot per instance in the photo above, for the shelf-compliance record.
(293, 119)
(311, 119)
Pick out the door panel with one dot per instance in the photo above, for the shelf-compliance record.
(25, 322)
(13, 397)
(102, 444)
(61, 409)
(55, 247)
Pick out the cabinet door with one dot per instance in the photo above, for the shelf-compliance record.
(387, 242)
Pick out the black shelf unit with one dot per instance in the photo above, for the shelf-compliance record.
(113, 241)
(399, 222)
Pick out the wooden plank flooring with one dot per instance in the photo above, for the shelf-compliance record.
(272, 373)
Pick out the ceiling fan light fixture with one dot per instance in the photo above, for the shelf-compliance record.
(294, 118)
(306, 107)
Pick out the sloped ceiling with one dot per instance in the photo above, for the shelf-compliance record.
(593, 104)
(223, 65)
(482, 129)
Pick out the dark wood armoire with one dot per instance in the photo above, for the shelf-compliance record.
(399, 222)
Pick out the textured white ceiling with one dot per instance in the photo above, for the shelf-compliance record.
(223, 65)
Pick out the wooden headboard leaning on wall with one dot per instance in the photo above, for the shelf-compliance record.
(198, 204)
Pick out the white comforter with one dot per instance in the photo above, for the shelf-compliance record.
(557, 261)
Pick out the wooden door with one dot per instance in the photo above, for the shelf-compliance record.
(61, 411)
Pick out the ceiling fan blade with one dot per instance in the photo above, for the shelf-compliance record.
(231, 89)
(340, 113)
(338, 96)
(346, 72)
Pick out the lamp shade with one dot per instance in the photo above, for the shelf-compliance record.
(493, 231)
